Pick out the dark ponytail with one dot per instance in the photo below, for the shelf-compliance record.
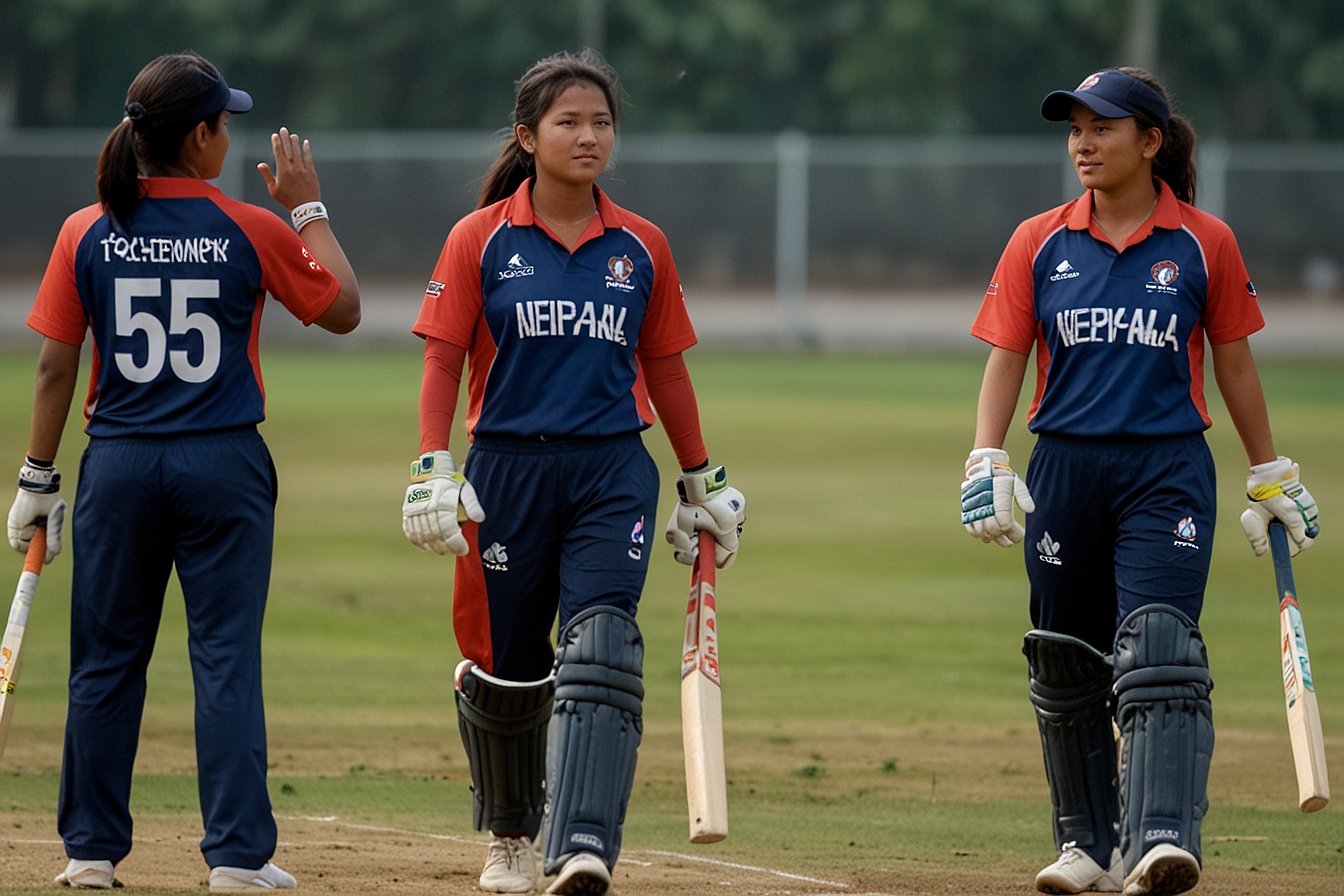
(534, 93)
(1175, 162)
(159, 116)
(119, 173)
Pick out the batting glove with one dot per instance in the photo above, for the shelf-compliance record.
(437, 501)
(39, 498)
(1275, 493)
(987, 498)
(706, 502)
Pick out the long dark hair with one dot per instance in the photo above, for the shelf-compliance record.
(150, 137)
(534, 93)
(1175, 162)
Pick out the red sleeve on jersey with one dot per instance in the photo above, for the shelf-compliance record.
(667, 326)
(289, 272)
(1007, 316)
(438, 392)
(452, 304)
(1232, 310)
(57, 312)
(673, 397)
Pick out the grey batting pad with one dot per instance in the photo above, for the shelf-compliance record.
(503, 726)
(1071, 689)
(595, 734)
(1162, 687)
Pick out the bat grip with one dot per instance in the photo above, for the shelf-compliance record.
(1283, 567)
(37, 549)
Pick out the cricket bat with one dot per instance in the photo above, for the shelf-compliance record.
(702, 705)
(18, 623)
(1299, 691)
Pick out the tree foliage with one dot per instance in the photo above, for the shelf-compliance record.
(1244, 69)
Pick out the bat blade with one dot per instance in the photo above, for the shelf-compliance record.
(1299, 689)
(12, 645)
(702, 705)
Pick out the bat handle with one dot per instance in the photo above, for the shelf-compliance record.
(1283, 566)
(37, 549)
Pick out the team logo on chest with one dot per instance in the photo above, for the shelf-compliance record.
(517, 267)
(1164, 275)
(619, 270)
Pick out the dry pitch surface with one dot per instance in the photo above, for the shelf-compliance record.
(331, 856)
(336, 855)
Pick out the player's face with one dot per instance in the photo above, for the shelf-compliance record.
(1110, 153)
(211, 162)
(573, 140)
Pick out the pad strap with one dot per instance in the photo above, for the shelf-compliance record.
(1070, 690)
(595, 734)
(1162, 690)
(503, 726)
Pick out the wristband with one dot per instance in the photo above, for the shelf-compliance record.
(307, 213)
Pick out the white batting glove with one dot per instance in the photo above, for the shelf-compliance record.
(987, 498)
(39, 498)
(437, 501)
(706, 502)
(1275, 493)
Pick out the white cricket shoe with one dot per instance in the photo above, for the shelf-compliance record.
(510, 866)
(583, 875)
(88, 874)
(1075, 872)
(226, 879)
(1165, 869)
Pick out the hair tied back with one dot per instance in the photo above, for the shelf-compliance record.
(135, 111)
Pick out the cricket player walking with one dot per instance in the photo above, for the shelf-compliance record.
(570, 313)
(1118, 292)
(170, 276)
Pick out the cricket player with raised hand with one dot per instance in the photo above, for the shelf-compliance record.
(169, 275)
(1118, 292)
(569, 314)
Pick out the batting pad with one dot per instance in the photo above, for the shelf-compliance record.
(1070, 689)
(503, 727)
(595, 734)
(1162, 690)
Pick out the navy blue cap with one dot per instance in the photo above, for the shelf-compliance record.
(1111, 94)
(217, 96)
(213, 97)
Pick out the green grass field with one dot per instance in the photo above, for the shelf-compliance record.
(874, 689)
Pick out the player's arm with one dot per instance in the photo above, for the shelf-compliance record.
(439, 498)
(991, 486)
(1273, 487)
(673, 396)
(1239, 383)
(999, 390)
(53, 391)
(39, 492)
(294, 185)
(705, 501)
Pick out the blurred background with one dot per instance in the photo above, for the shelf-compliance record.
(845, 171)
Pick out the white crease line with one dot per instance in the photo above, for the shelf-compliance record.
(738, 866)
(718, 863)
(333, 819)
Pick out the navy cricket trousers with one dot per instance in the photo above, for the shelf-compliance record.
(205, 506)
(564, 531)
(1119, 524)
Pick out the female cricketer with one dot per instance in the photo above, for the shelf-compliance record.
(170, 275)
(571, 314)
(1118, 291)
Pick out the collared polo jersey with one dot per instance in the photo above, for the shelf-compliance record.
(1119, 336)
(554, 337)
(174, 303)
